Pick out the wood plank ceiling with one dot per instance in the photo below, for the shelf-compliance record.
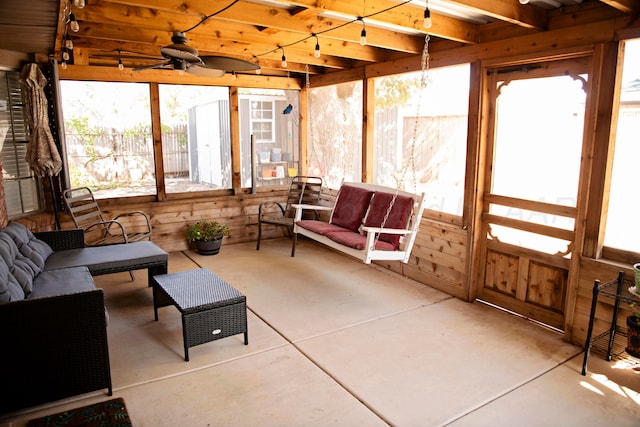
(263, 31)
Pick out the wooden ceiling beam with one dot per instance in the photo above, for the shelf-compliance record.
(96, 36)
(89, 73)
(233, 32)
(626, 6)
(409, 16)
(279, 19)
(524, 15)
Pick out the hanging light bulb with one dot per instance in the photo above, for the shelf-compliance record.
(284, 59)
(63, 65)
(524, 1)
(120, 64)
(73, 23)
(233, 76)
(427, 18)
(363, 33)
(79, 3)
(68, 43)
(316, 52)
(65, 55)
(258, 64)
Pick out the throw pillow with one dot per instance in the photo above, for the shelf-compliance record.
(397, 218)
(29, 246)
(351, 205)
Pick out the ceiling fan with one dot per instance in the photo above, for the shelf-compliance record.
(179, 56)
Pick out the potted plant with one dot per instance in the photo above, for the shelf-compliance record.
(633, 331)
(207, 235)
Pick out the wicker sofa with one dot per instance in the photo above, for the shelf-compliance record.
(53, 317)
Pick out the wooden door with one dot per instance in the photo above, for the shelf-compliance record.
(534, 146)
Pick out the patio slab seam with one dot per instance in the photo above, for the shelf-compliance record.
(512, 389)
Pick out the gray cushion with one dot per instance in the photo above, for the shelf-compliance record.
(104, 258)
(29, 246)
(20, 267)
(10, 289)
(62, 282)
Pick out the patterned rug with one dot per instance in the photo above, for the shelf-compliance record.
(111, 413)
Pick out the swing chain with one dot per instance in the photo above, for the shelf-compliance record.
(314, 154)
(424, 65)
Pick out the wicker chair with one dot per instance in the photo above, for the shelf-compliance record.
(303, 190)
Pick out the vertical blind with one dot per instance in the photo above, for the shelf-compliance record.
(21, 189)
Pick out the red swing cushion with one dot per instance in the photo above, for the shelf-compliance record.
(350, 207)
(398, 216)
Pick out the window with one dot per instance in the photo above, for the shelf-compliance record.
(335, 133)
(261, 114)
(439, 128)
(196, 138)
(20, 186)
(109, 144)
(272, 118)
(622, 231)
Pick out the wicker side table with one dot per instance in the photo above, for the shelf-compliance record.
(210, 307)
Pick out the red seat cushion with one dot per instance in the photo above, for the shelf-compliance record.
(398, 216)
(351, 206)
(321, 227)
(357, 241)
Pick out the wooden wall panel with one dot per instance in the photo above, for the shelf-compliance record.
(546, 286)
(590, 270)
(501, 273)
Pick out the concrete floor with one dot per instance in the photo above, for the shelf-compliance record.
(335, 342)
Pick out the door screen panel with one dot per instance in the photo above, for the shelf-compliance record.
(534, 152)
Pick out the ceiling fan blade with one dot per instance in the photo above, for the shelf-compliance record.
(228, 64)
(201, 71)
(152, 66)
(180, 51)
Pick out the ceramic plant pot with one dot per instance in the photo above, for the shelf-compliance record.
(209, 247)
(633, 336)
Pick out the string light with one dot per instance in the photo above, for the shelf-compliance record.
(120, 64)
(427, 16)
(363, 33)
(79, 3)
(233, 76)
(68, 43)
(65, 55)
(63, 65)
(316, 52)
(284, 58)
(73, 23)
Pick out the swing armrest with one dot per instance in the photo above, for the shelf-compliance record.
(386, 230)
(300, 208)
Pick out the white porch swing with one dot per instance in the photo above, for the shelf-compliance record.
(368, 221)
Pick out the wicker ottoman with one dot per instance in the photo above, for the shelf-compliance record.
(211, 308)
